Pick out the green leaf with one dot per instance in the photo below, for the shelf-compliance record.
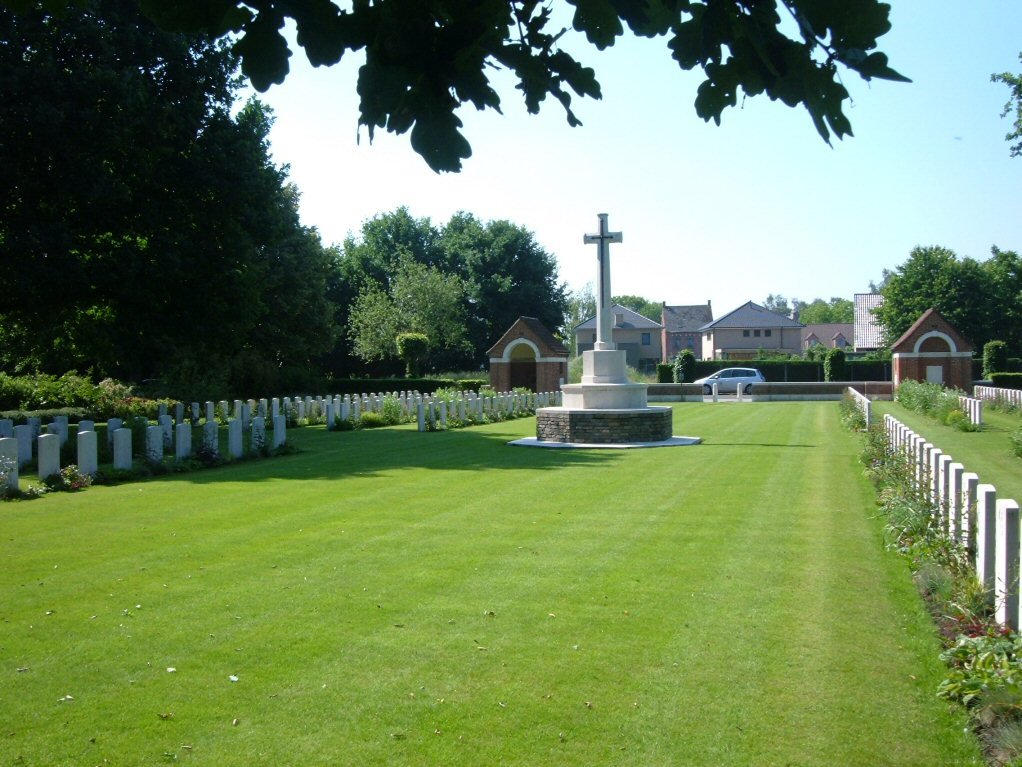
(599, 20)
(437, 139)
(263, 51)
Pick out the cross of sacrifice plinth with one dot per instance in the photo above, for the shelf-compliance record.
(604, 315)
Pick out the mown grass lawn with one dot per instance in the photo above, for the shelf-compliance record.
(390, 597)
(986, 452)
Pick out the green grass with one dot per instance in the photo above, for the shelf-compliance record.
(395, 598)
(986, 452)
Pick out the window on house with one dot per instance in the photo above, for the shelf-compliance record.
(645, 339)
(745, 334)
(756, 333)
(767, 333)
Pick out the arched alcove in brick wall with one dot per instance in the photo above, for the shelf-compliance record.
(933, 350)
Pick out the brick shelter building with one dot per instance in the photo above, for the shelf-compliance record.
(528, 355)
(933, 350)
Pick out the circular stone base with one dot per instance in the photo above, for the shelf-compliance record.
(574, 425)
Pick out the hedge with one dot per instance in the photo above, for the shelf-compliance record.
(1007, 380)
(799, 371)
(383, 385)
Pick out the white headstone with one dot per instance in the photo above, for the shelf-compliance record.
(6, 428)
(48, 446)
(23, 434)
(88, 462)
(122, 449)
(59, 427)
(9, 449)
(258, 439)
(154, 437)
(179, 412)
(112, 425)
(167, 424)
(182, 441)
(211, 436)
(210, 411)
(86, 425)
(234, 443)
(36, 424)
(279, 431)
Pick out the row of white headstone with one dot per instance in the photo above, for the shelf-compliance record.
(16, 443)
(432, 411)
(969, 513)
(1011, 397)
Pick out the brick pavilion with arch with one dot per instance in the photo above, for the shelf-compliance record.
(933, 350)
(529, 356)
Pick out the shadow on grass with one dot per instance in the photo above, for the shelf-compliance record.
(709, 443)
(378, 452)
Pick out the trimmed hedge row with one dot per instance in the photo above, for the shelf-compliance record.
(423, 385)
(800, 371)
(1007, 380)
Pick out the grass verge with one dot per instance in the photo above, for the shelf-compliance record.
(390, 597)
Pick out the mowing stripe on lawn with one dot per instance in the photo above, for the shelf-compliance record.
(390, 597)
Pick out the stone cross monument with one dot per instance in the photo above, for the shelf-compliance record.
(604, 321)
(605, 408)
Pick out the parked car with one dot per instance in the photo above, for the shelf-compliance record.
(729, 379)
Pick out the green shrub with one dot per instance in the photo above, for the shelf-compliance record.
(1007, 380)
(371, 420)
(664, 372)
(834, 365)
(1016, 442)
(391, 410)
(412, 349)
(995, 358)
(685, 367)
(852, 416)
(957, 419)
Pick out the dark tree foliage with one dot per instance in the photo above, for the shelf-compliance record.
(145, 232)
(983, 300)
(1013, 105)
(506, 274)
(427, 58)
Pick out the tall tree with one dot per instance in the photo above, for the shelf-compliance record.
(144, 229)
(427, 58)
(819, 312)
(419, 299)
(508, 275)
(777, 304)
(651, 310)
(1014, 104)
(936, 277)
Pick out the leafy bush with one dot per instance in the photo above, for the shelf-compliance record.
(852, 416)
(834, 365)
(1016, 442)
(391, 410)
(371, 420)
(68, 479)
(412, 349)
(664, 372)
(995, 358)
(933, 400)
(685, 367)
(982, 665)
(1007, 380)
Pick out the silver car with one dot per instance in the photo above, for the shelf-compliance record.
(729, 379)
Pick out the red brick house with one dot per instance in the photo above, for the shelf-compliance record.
(933, 350)
(528, 355)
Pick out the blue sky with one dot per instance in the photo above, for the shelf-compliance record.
(724, 214)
